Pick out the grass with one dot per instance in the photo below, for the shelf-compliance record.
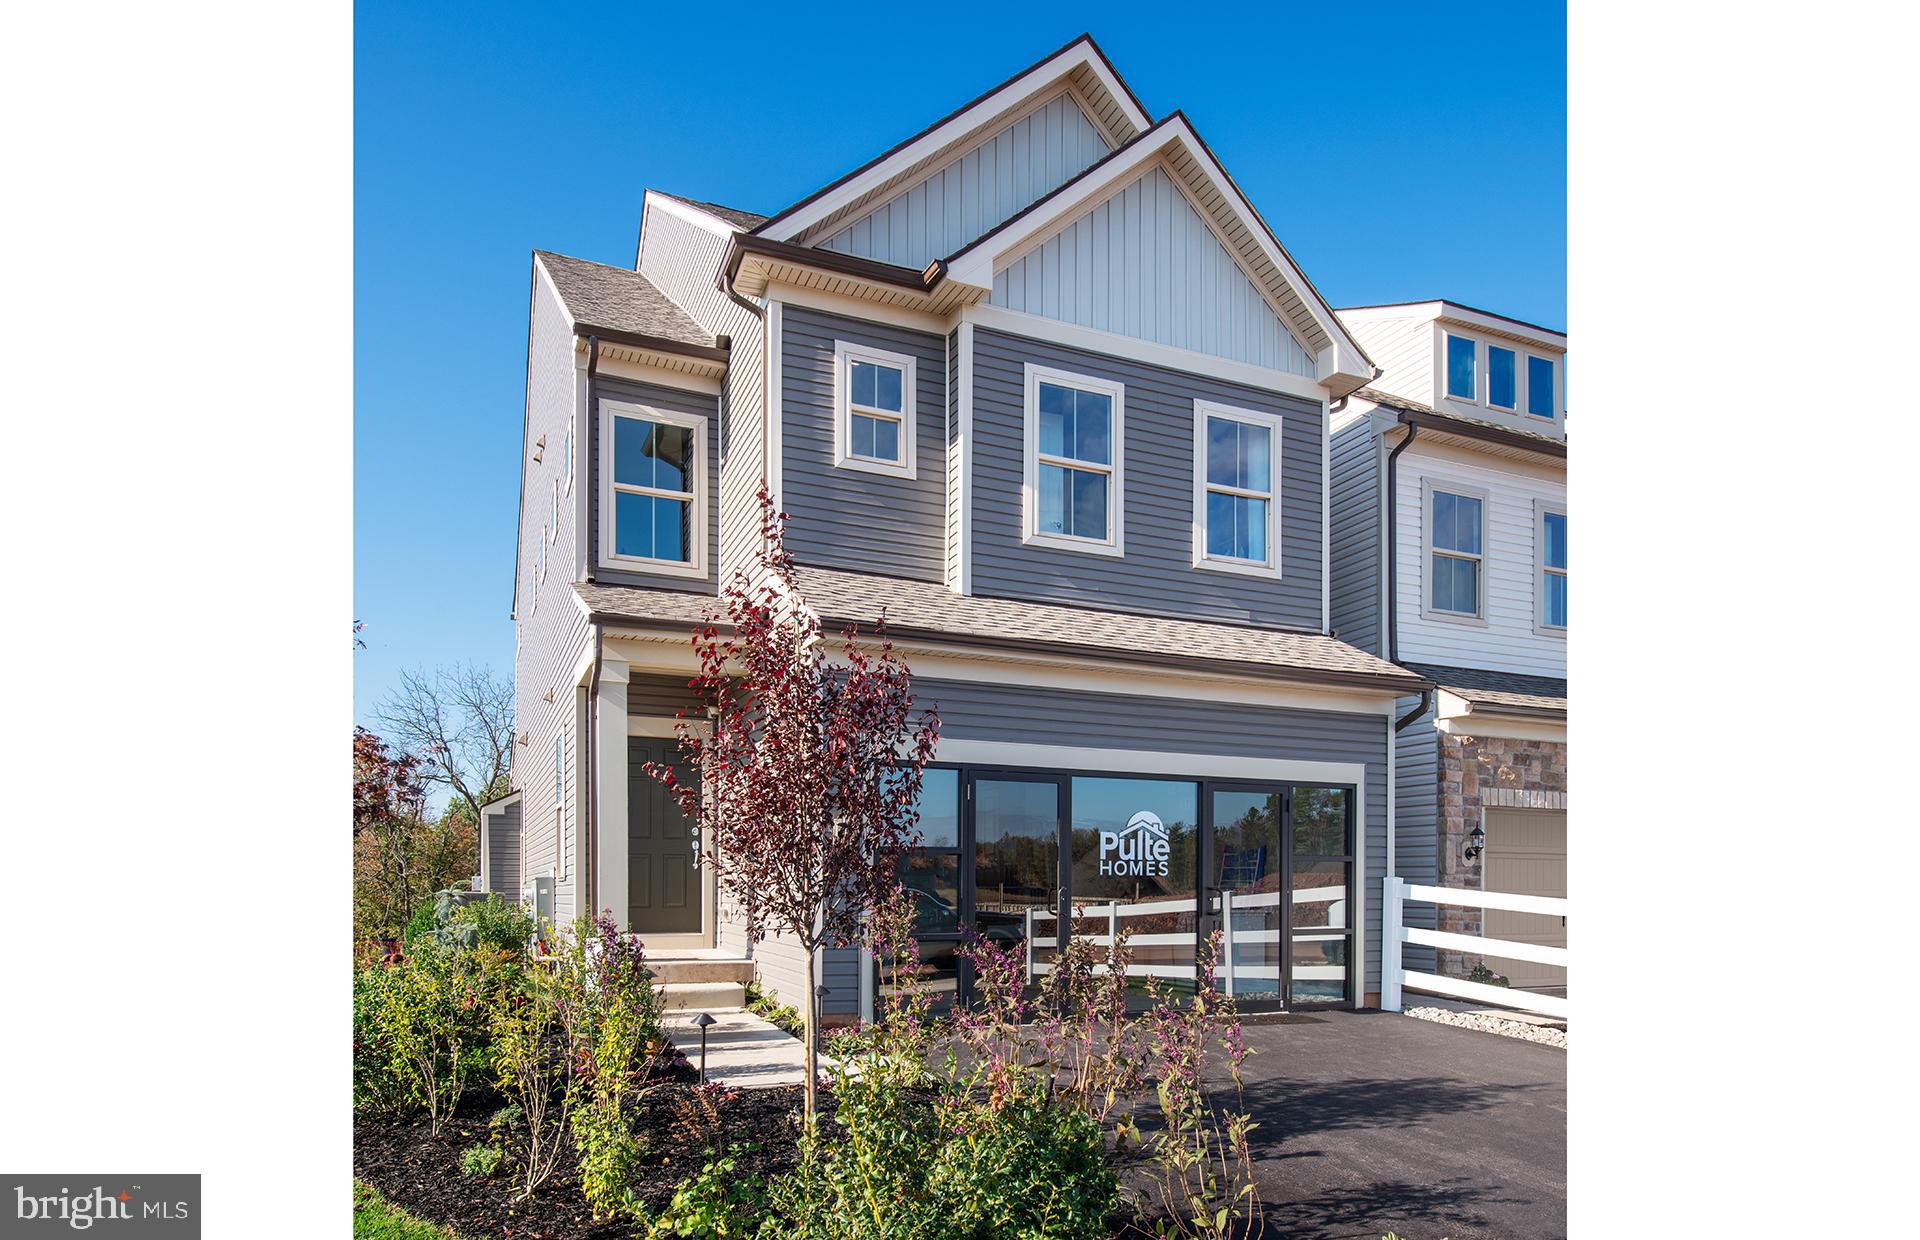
(376, 1218)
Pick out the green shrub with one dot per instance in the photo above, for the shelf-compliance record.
(419, 1032)
(419, 926)
(762, 1004)
(714, 1205)
(500, 927)
(481, 1161)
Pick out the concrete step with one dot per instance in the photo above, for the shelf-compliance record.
(703, 996)
(672, 970)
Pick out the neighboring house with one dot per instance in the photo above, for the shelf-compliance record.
(1039, 382)
(1450, 558)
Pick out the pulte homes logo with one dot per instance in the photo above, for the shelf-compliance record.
(1137, 850)
(153, 1207)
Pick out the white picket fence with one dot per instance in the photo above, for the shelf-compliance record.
(1395, 933)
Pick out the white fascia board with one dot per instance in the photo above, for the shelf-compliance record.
(1456, 716)
(1540, 337)
(1038, 78)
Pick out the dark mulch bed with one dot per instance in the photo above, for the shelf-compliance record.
(422, 1173)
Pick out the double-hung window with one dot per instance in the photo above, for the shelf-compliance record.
(1236, 489)
(653, 495)
(873, 410)
(1551, 534)
(1456, 538)
(1462, 382)
(1074, 445)
(1502, 378)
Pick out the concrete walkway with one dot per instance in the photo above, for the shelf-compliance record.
(744, 1051)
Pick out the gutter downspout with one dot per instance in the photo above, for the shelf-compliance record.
(1393, 574)
(589, 879)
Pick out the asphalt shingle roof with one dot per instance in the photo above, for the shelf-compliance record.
(597, 295)
(1498, 689)
(930, 610)
(1391, 401)
(732, 215)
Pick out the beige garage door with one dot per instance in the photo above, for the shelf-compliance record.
(1527, 854)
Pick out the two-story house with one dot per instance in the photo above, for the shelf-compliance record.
(1040, 382)
(1449, 497)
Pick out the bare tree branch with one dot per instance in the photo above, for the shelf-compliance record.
(459, 723)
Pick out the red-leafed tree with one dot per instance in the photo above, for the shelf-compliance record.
(810, 780)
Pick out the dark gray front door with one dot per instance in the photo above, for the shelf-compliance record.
(663, 888)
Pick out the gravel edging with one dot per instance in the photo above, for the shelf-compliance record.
(1491, 1024)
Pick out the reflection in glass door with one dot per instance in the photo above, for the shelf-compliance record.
(1016, 863)
(1134, 852)
(1249, 875)
(1320, 926)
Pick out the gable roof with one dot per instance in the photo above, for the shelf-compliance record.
(929, 611)
(615, 301)
(1080, 63)
(1220, 201)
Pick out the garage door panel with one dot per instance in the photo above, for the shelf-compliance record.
(1526, 853)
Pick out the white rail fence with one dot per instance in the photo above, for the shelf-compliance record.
(1395, 933)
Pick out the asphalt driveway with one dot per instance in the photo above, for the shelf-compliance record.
(1372, 1122)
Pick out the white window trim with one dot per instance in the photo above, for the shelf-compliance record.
(570, 438)
(540, 568)
(1427, 610)
(1541, 508)
(697, 566)
(1553, 398)
(1202, 410)
(559, 804)
(1446, 367)
(553, 513)
(1115, 541)
(845, 354)
(1518, 356)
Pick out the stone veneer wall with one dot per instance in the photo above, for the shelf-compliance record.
(1477, 772)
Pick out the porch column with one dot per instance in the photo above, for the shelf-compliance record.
(610, 790)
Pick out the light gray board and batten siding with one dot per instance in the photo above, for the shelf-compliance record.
(1353, 535)
(1144, 264)
(974, 194)
(1018, 714)
(677, 400)
(503, 850)
(850, 518)
(1157, 574)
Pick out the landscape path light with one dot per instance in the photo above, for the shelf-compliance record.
(703, 1022)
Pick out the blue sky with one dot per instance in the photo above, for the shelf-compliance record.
(1400, 152)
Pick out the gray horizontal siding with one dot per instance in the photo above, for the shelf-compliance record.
(503, 851)
(679, 400)
(1157, 574)
(1353, 534)
(848, 518)
(1020, 714)
(1416, 819)
(841, 975)
(660, 696)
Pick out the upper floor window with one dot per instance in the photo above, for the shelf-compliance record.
(874, 410)
(1462, 383)
(1235, 490)
(1553, 568)
(1540, 386)
(1502, 381)
(1073, 466)
(1456, 536)
(653, 490)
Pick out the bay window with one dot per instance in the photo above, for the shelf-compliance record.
(1462, 382)
(1502, 380)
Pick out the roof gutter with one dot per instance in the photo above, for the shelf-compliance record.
(1393, 570)
(657, 344)
(1486, 434)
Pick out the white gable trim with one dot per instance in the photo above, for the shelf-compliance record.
(657, 201)
(1340, 360)
(1081, 55)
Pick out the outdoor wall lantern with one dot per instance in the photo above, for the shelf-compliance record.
(1476, 843)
